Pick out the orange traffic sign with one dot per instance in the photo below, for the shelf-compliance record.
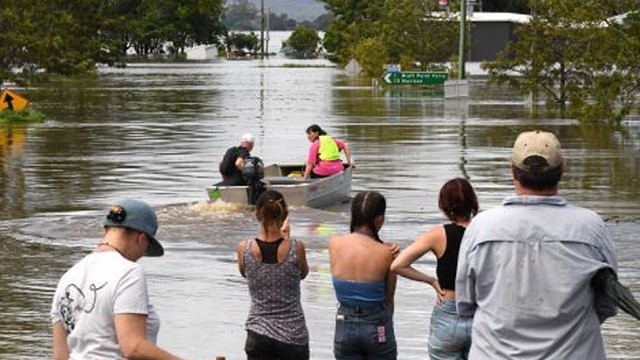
(12, 101)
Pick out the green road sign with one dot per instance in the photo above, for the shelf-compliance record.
(415, 77)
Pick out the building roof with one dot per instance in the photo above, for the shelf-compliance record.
(478, 16)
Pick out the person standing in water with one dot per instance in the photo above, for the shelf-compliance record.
(274, 265)
(363, 283)
(526, 267)
(449, 333)
(324, 154)
(101, 307)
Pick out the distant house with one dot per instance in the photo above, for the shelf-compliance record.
(491, 32)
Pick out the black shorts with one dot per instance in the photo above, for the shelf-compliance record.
(260, 347)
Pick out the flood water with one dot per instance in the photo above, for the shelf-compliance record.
(158, 131)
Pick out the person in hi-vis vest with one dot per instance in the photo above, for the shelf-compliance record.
(324, 154)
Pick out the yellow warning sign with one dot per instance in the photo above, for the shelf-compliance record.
(10, 100)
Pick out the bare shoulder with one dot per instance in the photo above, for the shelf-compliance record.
(241, 246)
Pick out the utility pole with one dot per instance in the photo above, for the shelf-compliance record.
(262, 29)
(463, 28)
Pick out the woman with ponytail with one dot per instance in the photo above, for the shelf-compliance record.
(274, 265)
(363, 283)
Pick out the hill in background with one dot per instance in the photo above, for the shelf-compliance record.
(296, 9)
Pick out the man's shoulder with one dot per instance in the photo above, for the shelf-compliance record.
(242, 152)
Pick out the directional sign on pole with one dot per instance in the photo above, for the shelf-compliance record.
(12, 101)
(415, 77)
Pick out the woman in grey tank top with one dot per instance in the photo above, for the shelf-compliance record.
(273, 265)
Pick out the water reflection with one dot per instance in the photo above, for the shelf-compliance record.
(13, 138)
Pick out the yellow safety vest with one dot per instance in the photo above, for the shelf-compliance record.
(328, 150)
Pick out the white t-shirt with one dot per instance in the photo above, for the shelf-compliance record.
(90, 294)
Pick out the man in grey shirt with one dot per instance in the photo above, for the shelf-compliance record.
(525, 268)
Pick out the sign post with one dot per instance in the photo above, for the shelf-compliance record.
(415, 78)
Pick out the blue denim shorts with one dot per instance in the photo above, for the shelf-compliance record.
(449, 334)
(364, 332)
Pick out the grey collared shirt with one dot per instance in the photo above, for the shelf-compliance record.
(524, 273)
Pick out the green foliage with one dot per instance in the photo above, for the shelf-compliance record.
(355, 20)
(581, 63)
(304, 41)
(238, 42)
(21, 116)
(71, 37)
(372, 54)
(409, 30)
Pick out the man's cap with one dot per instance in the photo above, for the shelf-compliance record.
(248, 138)
(139, 216)
(537, 143)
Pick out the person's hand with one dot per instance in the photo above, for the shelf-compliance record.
(395, 249)
(439, 292)
(352, 164)
(286, 229)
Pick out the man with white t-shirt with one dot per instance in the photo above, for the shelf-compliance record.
(101, 306)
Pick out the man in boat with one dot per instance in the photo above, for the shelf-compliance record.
(525, 268)
(324, 154)
(234, 161)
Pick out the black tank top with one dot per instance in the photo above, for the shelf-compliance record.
(448, 263)
(269, 250)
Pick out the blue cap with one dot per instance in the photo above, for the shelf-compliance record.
(139, 216)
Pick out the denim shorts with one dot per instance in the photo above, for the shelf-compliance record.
(449, 334)
(364, 332)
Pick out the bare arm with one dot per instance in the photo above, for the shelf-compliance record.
(390, 290)
(425, 243)
(347, 152)
(286, 229)
(239, 163)
(240, 252)
(131, 329)
(307, 170)
(60, 347)
(302, 260)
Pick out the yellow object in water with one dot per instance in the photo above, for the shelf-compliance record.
(12, 101)
(295, 174)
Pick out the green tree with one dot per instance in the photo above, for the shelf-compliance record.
(238, 42)
(281, 22)
(414, 33)
(304, 41)
(578, 59)
(355, 20)
(411, 31)
(372, 54)
(193, 22)
(242, 15)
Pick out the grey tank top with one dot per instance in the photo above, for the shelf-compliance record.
(275, 310)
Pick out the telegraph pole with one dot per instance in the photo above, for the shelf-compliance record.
(262, 29)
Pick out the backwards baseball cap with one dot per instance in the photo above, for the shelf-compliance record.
(136, 215)
(537, 143)
(248, 138)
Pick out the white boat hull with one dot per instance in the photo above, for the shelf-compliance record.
(316, 193)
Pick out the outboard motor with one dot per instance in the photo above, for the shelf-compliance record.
(252, 173)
